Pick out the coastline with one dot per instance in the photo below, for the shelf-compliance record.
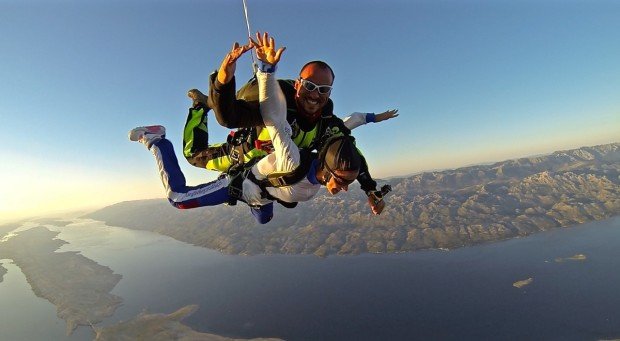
(80, 288)
(77, 286)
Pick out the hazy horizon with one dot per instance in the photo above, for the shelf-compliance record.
(88, 208)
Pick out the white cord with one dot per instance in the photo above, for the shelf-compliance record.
(247, 22)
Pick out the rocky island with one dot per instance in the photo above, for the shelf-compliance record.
(446, 209)
(577, 257)
(522, 283)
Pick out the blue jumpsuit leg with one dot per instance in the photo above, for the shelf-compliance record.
(184, 197)
(179, 194)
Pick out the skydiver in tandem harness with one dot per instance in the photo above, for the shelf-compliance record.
(288, 175)
(246, 142)
(309, 112)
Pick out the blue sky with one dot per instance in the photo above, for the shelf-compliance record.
(475, 81)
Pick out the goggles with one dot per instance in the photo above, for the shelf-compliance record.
(341, 182)
(309, 86)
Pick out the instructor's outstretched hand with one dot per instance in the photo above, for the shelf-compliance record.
(386, 115)
(266, 48)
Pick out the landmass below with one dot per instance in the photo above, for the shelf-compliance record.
(440, 210)
(160, 327)
(77, 286)
(80, 290)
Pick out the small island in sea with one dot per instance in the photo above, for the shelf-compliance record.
(577, 257)
(522, 283)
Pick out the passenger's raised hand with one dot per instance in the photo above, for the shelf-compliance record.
(229, 64)
(266, 48)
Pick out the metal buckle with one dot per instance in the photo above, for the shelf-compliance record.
(234, 155)
(277, 182)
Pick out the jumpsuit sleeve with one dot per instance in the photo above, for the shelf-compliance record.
(229, 111)
(273, 111)
(355, 120)
(364, 177)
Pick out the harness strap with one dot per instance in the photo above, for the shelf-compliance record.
(291, 178)
(288, 179)
(265, 194)
(241, 142)
(236, 156)
(237, 174)
(235, 189)
(211, 153)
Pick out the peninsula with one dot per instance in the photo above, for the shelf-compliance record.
(77, 286)
(160, 327)
(80, 289)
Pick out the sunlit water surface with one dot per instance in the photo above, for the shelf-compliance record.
(466, 293)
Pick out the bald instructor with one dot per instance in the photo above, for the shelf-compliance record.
(309, 109)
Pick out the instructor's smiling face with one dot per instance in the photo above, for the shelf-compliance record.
(309, 103)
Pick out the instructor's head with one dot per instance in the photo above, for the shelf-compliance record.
(313, 87)
(339, 164)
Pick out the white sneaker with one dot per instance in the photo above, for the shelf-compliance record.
(147, 135)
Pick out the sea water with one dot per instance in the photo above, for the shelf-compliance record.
(25, 316)
(466, 293)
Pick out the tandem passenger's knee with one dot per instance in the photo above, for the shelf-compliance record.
(183, 205)
(263, 214)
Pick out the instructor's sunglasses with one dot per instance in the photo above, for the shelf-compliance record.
(309, 86)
